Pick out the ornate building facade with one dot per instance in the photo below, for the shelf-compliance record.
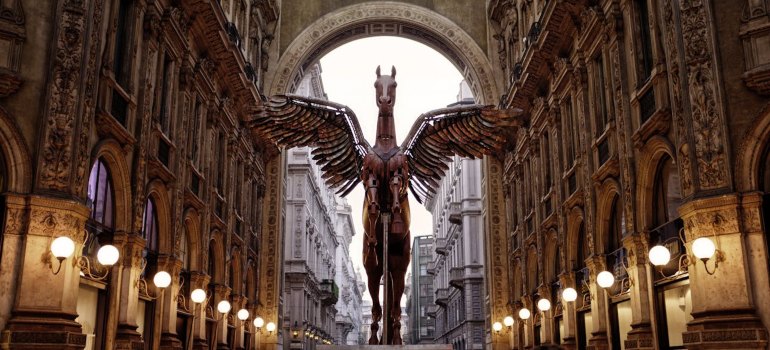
(648, 126)
(458, 259)
(123, 123)
(348, 279)
(321, 288)
(123, 154)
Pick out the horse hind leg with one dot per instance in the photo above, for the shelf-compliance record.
(374, 292)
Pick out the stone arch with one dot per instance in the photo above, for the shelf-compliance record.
(575, 219)
(751, 152)
(17, 158)
(251, 282)
(607, 197)
(533, 269)
(191, 220)
(656, 149)
(157, 190)
(406, 20)
(236, 275)
(551, 242)
(112, 154)
(217, 253)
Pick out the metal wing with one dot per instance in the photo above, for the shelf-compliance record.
(330, 128)
(468, 131)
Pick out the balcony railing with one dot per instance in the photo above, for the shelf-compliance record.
(456, 277)
(442, 296)
(329, 292)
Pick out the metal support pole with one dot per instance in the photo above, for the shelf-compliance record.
(385, 275)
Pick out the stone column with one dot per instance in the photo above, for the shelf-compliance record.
(169, 340)
(723, 306)
(131, 264)
(528, 329)
(198, 336)
(599, 339)
(239, 302)
(567, 279)
(641, 335)
(546, 323)
(221, 292)
(46, 317)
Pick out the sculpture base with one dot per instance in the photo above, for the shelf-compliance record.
(387, 347)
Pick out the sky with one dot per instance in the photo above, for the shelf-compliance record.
(426, 81)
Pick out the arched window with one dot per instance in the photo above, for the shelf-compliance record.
(668, 194)
(532, 278)
(184, 248)
(150, 226)
(582, 248)
(615, 226)
(100, 196)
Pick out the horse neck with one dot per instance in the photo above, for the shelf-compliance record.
(386, 131)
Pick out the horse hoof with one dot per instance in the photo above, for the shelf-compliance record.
(373, 340)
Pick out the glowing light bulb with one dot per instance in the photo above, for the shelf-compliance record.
(543, 304)
(62, 247)
(108, 255)
(569, 294)
(162, 279)
(508, 321)
(659, 255)
(198, 296)
(605, 279)
(524, 314)
(703, 248)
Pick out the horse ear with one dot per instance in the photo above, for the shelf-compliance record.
(393, 72)
(378, 71)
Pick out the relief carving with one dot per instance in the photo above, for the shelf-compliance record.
(56, 157)
(89, 104)
(707, 117)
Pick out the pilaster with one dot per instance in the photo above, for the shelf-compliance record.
(169, 340)
(730, 320)
(641, 335)
(599, 339)
(45, 319)
(568, 313)
(131, 264)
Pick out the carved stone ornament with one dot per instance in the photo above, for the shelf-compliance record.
(63, 95)
(479, 76)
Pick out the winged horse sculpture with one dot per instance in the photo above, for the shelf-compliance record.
(386, 169)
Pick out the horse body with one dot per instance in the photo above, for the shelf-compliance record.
(386, 175)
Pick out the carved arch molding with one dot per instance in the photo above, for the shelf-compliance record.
(387, 18)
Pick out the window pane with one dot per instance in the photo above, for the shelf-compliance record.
(87, 306)
(678, 312)
(624, 321)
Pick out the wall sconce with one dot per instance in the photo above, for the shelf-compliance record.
(703, 249)
(258, 323)
(497, 327)
(543, 304)
(63, 247)
(508, 322)
(243, 314)
(270, 327)
(295, 331)
(569, 294)
(524, 314)
(162, 280)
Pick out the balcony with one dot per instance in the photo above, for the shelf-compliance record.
(456, 277)
(442, 296)
(329, 292)
(432, 268)
(432, 310)
(441, 246)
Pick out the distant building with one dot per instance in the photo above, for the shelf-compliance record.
(458, 262)
(421, 325)
(351, 286)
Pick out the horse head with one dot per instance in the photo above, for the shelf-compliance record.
(385, 85)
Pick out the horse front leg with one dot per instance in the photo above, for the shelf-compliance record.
(397, 226)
